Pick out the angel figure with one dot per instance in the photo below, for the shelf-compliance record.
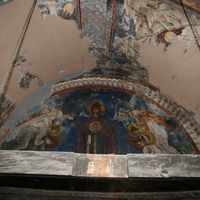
(148, 133)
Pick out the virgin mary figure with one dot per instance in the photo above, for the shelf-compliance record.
(96, 134)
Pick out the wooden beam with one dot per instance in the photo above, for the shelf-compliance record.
(94, 165)
(36, 162)
(163, 165)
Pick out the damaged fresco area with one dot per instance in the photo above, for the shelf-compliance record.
(22, 66)
(98, 121)
(160, 22)
(127, 24)
(98, 20)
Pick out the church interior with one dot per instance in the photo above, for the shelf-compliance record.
(99, 99)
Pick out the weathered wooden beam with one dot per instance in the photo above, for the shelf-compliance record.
(91, 165)
(36, 162)
(163, 165)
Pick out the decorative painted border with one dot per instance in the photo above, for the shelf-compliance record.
(183, 118)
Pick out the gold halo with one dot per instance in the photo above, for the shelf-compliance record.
(98, 102)
(169, 36)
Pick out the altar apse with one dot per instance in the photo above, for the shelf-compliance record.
(110, 109)
(102, 111)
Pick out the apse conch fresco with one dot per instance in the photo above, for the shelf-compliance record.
(100, 112)
(112, 108)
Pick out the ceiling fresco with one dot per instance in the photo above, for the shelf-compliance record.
(112, 108)
(126, 25)
(159, 22)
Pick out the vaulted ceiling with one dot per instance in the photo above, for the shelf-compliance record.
(54, 45)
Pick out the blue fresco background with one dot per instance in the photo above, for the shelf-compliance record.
(118, 104)
(76, 104)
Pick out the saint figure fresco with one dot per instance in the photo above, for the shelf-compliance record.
(96, 134)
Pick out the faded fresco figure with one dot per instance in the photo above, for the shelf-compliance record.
(148, 134)
(66, 9)
(158, 22)
(96, 134)
(100, 20)
(51, 138)
(40, 131)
